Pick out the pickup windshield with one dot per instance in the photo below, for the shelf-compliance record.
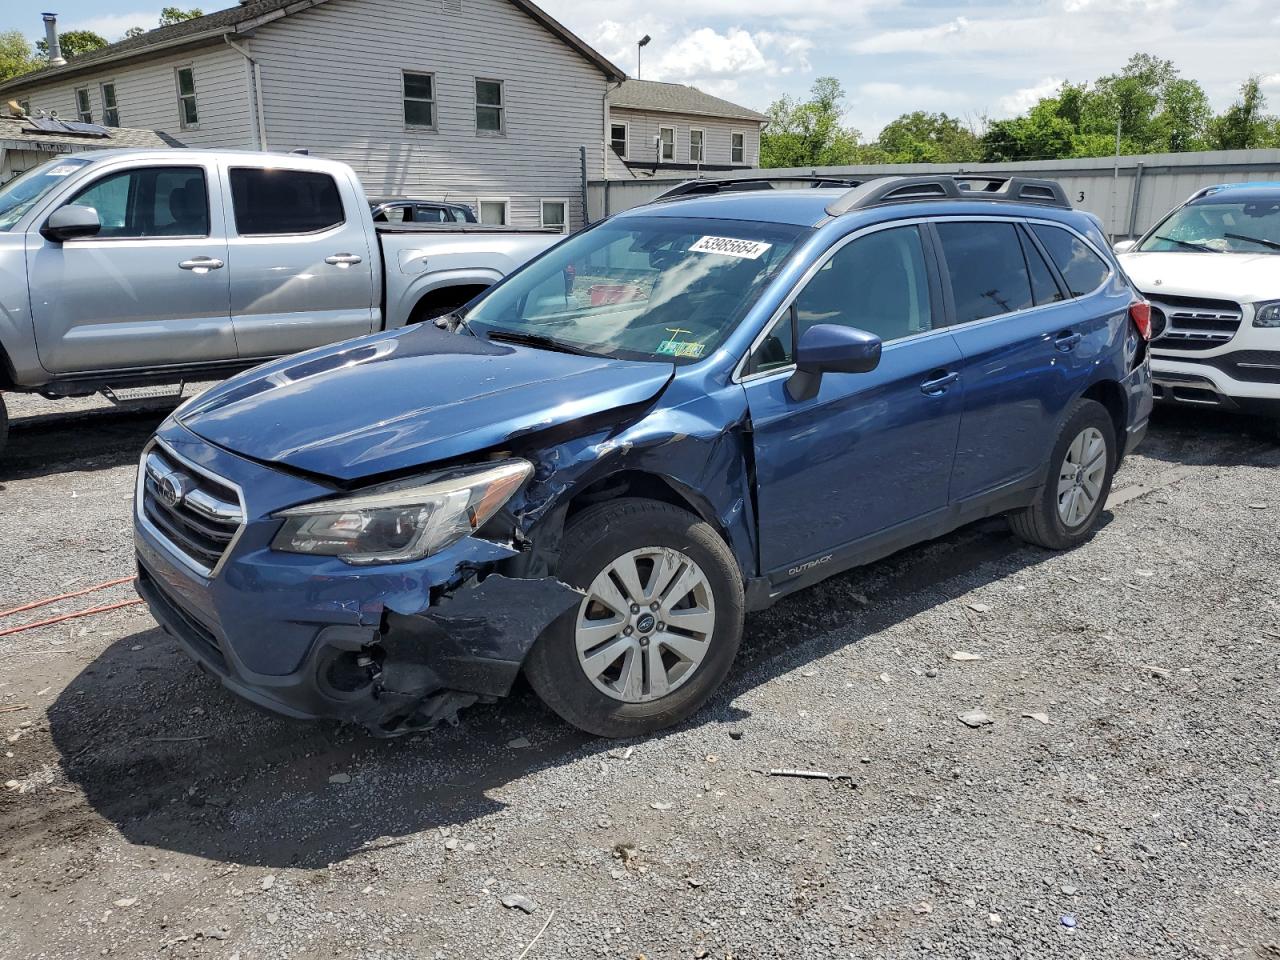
(21, 194)
(1215, 227)
(639, 288)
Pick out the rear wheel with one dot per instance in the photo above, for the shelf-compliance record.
(1081, 468)
(4, 425)
(657, 628)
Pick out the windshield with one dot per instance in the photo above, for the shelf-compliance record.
(639, 288)
(19, 195)
(1214, 227)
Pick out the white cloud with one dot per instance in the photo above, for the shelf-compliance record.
(1024, 99)
(1271, 81)
(112, 25)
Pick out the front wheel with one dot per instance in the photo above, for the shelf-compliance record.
(1081, 467)
(658, 625)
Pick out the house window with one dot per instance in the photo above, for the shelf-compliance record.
(666, 143)
(618, 138)
(738, 150)
(695, 146)
(83, 110)
(555, 215)
(419, 99)
(490, 110)
(494, 212)
(110, 111)
(188, 115)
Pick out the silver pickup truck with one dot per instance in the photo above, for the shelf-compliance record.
(121, 269)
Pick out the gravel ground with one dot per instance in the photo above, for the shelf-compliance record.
(1123, 800)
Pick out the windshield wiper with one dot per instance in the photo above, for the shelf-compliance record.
(1258, 240)
(1203, 248)
(538, 340)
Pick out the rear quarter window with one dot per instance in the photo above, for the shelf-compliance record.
(1082, 269)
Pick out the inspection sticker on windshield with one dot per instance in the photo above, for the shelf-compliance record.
(682, 348)
(62, 170)
(731, 247)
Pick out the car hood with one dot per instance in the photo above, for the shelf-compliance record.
(1242, 277)
(396, 401)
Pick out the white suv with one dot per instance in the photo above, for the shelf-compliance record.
(1211, 270)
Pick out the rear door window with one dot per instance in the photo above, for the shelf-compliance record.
(269, 202)
(1083, 269)
(987, 270)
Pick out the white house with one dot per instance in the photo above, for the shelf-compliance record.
(485, 102)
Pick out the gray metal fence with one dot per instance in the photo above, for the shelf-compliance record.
(1129, 196)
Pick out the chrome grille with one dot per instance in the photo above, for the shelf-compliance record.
(195, 513)
(1194, 324)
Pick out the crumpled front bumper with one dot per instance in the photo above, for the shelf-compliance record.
(394, 648)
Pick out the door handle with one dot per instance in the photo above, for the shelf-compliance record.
(938, 385)
(201, 264)
(342, 259)
(1067, 340)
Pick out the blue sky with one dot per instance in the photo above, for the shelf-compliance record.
(968, 58)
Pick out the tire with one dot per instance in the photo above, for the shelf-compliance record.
(623, 696)
(4, 426)
(1061, 525)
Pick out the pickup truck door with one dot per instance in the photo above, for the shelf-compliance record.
(150, 289)
(304, 268)
(871, 453)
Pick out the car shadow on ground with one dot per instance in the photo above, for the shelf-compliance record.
(97, 439)
(174, 761)
(1189, 436)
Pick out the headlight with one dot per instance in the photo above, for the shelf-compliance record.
(1266, 314)
(407, 520)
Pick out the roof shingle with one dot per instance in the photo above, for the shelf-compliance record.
(653, 95)
(17, 130)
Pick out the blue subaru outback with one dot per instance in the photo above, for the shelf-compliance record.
(593, 471)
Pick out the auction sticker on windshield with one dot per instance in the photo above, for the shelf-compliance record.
(731, 247)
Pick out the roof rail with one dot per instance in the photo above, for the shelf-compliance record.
(958, 186)
(705, 186)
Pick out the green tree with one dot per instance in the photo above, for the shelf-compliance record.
(921, 137)
(1244, 125)
(74, 43)
(171, 15)
(134, 32)
(1043, 134)
(809, 133)
(15, 55)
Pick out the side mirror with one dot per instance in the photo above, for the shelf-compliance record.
(830, 348)
(1124, 246)
(72, 222)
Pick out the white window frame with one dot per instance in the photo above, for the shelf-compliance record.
(193, 96)
(626, 138)
(506, 208)
(501, 106)
(405, 98)
(84, 112)
(701, 158)
(733, 134)
(102, 92)
(662, 146)
(542, 212)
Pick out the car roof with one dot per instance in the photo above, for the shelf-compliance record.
(807, 207)
(1239, 192)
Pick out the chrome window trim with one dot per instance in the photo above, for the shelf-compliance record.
(740, 377)
(141, 515)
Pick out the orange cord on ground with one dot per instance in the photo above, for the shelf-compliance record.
(65, 596)
(70, 616)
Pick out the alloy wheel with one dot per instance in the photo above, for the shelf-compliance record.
(645, 624)
(1080, 479)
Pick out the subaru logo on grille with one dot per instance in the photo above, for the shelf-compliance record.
(173, 488)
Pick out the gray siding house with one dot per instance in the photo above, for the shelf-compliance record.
(483, 102)
(669, 127)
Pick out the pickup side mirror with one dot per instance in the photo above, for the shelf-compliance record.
(72, 222)
(1124, 246)
(830, 348)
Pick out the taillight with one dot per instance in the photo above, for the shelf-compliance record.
(1140, 314)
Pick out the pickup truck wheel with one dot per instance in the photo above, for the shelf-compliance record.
(1081, 467)
(4, 425)
(657, 629)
